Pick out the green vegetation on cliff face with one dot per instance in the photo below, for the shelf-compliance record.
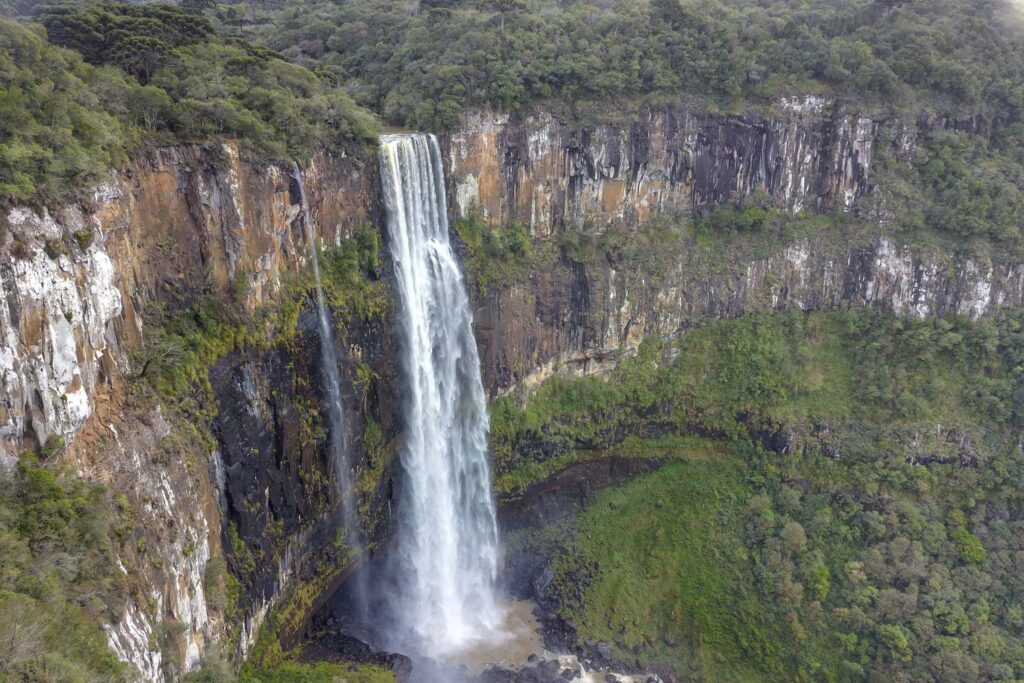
(499, 256)
(964, 188)
(155, 73)
(669, 571)
(294, 609)
(182, 344)
(423, 65)
(58, 578)
(853, 518)
(323, 672)
(747, 376)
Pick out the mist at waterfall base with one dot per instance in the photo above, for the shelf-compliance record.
(434, 597)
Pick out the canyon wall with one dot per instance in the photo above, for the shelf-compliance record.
(580, 316)
(552, 175)
(85, 287)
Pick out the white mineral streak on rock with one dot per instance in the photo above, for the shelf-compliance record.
(796, 257)
(863, 153)
(251, 627)
(977, 291)
(802, 275)
(286, 570)
(539, 141)
(184, 552)
(59, 324)
(611, 337)
(130, 639)
(466, 192)
(473, 142)
(232, 239)
(189, 605)
(54, 314)
(806, 104)
(921, 304)
(893, 273)
(540, 171)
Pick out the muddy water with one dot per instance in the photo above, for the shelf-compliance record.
(511, 644)
(518, 638)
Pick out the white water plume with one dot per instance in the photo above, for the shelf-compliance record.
(448, 538)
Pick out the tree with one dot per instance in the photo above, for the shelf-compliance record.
(897, 640)
(23, 627)
(969, 546)
(150, 105)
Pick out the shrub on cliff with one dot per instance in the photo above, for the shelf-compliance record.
(57, 574)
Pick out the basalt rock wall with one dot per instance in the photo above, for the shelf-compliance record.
(85, 289)
(551, 175)
(580, 316)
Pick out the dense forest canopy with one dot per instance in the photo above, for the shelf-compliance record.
(895, 557)
(149, 73)
(421, 64)
(284, 76)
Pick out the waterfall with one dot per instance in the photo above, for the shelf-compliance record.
(448, 537)
(335, 409)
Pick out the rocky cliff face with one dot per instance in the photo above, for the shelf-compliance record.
(181, 224)
(538, 170)
(581, 316)
(177, 225)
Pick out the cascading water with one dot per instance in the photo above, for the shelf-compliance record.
(448, 537)
(335, 409)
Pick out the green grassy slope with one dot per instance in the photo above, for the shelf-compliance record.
(883, 544)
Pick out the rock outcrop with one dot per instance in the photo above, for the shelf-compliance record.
(581, 317)
(539, 170)
(179, 225)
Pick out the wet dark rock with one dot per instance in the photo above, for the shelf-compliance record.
(543, 581)
(334, 646)
(549, 669)
(533, 675)
(497, 674)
